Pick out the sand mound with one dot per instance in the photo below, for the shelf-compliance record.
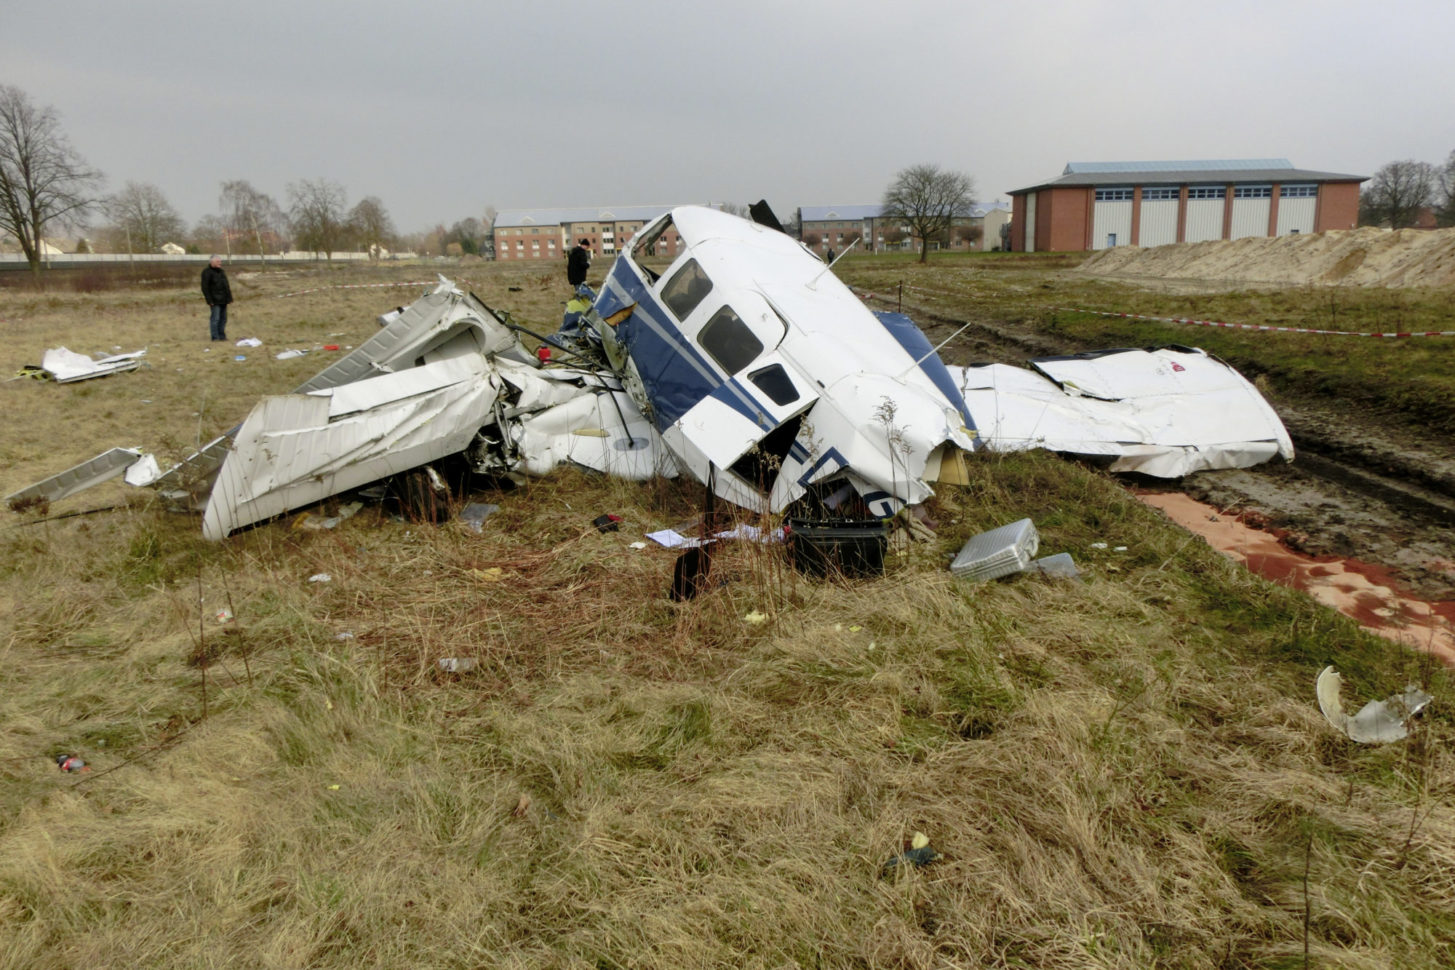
(1353, 257)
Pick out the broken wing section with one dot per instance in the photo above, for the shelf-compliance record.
(1166, 412)
(296, 449)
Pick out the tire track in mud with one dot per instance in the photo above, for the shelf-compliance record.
(1359, 486)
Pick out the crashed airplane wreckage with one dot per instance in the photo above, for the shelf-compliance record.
(745, 363)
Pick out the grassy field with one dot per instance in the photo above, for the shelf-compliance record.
(1129, 771)
(1411, 380)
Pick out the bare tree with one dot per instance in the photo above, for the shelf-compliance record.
(316, 209)
(1397, 193)
(928, 199)
(1445, 216)
(247, 215)
(370, 224)
(42, 178)
(143, 217)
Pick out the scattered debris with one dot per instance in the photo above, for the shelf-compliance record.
(755, 618)
(239, 357)
(457, 665)
(917, 853)
(521, 807)
(1059, 566)
(638, 545)
(65, 366)
(807, 402)
(473, 515)
(249, 342)
(94, 471)
(607, 523)
(320, 578)
(847, 547)
(345, 635)
(288, 354)
(1377, 722)
(999, 552)
(223, 615)
(70, 762)
(1100, 545)
(690, 573)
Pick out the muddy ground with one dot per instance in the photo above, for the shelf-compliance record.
(1362, 485)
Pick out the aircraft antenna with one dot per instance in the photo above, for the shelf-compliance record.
(836, 259)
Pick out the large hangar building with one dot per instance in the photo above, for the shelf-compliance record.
(1098, 205)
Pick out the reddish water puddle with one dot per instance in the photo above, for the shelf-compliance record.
(1360, 590)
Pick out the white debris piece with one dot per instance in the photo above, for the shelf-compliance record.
(1165, 412)
(1377, 722)
(66, 366)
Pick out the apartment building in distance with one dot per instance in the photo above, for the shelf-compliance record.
(1098, 205)
(547, 234)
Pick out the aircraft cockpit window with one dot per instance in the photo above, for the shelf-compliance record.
(687, 288)
(774, 381)
(729, 341)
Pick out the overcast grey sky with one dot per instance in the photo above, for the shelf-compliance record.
(443, 108)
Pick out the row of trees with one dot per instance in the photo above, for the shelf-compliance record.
(249, 221)
(1400, 193)
(46, 185)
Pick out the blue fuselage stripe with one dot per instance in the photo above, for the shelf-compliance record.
(918, 346)
(676, 377)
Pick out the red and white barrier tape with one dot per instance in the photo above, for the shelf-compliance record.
(1251, 326)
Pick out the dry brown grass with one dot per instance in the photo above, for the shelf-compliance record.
(1126, 772)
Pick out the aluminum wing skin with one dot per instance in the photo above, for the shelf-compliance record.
(1166, 412)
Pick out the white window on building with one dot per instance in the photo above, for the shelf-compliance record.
(1158, 195)
(1253, 192)
(1113, 195)
(1298, 192)
(1207, 192)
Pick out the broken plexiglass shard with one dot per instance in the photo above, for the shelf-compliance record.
(1377, 722)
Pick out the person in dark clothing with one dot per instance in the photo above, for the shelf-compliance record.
(218, 295)
(578, 262)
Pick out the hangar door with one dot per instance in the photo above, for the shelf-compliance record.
(1250, 210)
(1031, 221)
(1158, 223)
(1296, 204)
(1111, 219)
(1205, 212)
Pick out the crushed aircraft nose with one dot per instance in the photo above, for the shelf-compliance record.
(1377, 722)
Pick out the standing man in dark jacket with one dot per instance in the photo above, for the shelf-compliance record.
(578, 262)
(218, 295)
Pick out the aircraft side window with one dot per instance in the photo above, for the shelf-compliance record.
(774, 381)
(687, 288)
(729, 341)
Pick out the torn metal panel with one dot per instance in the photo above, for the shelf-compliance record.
(1167, 412)
(1377, 722)
(66, 366)
(297, 449)
(446, 322)
(93, 471)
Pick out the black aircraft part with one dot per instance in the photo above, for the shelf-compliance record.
(763, 215)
